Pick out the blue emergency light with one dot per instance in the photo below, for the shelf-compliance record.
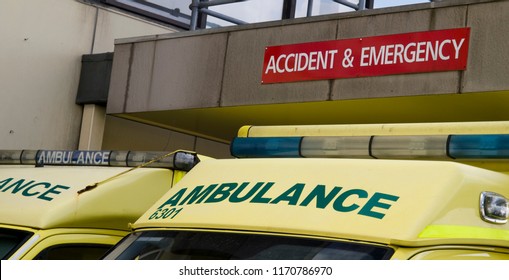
(489, 146)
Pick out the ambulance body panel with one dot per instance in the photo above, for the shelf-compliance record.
(378, 200)
(431, 206)
(73, 212)
(48, 197)
(64, 244)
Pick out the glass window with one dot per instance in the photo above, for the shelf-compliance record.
(174, 12)
(190, 245)
(73, 252)
(321, 7)
(11, 240)
(247, 11)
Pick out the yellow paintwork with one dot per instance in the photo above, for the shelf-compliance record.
(426, 205)
(110, 205)
(46, 238)
(91, 205)
(430, 193)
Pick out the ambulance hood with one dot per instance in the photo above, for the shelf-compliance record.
(50, 197)
(406, 203)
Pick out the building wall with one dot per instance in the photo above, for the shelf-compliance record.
(40, 61)
(123, 134)
(207, 83)
(231, 60)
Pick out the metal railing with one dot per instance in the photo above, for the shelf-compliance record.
(200, 7)
(200, 10)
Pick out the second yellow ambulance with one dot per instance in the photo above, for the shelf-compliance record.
(78, 204)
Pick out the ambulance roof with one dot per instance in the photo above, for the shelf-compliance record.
(401, 202)
(100, 196)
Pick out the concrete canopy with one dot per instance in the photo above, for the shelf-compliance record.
(207, 83)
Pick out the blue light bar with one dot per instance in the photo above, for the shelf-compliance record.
(266, 147)
(438, 147)
(492, 146)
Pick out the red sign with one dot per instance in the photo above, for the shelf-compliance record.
(430, 51)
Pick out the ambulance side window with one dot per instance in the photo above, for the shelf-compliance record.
(11, 240)
(73, 252)
(196, 245)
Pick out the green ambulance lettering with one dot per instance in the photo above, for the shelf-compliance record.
(339, 202)
(224, 191)
(16, 186)
(27, 189)
(318, 193)
(323, 200)
(174, 199)
(292, 195)
(221, 193)
(236, 198)
(4, 182)
(195, 196)
(374, 201)
(54, 190)
(214, 194)
(342, 200)
(198, 195)
(259, 197)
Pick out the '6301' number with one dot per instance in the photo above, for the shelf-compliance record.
(165, 213)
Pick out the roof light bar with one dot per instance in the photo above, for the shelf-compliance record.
(350, 146)
(266, 147)
(17, 156)
(490, 146)
(479, 146)
(179, 160)
(409, 146)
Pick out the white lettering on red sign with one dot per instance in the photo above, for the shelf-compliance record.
(296, 62)
(440, 50)
(410, 53)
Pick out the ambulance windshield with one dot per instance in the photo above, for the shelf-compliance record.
(194, 245)
(10, 240)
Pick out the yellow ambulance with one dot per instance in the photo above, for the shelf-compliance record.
(77, 204)
(392, 191)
